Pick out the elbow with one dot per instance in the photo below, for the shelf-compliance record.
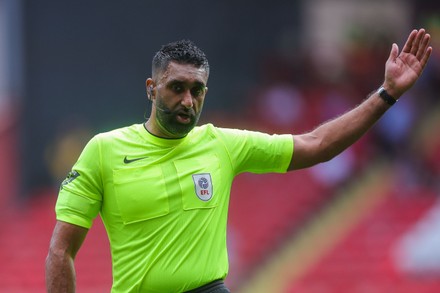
(325, 158)
(53, 257)
(311, 149)
(58, 253)
(327, 155)
(57, 256)
(326, 151)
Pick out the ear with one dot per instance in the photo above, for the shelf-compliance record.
(149, 84)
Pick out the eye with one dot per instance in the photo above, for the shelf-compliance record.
(197, 91)
(178, 88)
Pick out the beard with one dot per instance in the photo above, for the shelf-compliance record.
(169, 119)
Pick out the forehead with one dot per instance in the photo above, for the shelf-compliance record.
(185, 73)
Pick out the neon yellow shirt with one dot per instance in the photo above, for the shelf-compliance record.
(164, 202)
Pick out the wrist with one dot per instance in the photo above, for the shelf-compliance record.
(386, 96)
(392, 90)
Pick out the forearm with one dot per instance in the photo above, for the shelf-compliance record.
(60, 273)
(332, 137)
(340, 133)
(65, 243)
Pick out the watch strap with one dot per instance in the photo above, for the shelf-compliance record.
(389, 99)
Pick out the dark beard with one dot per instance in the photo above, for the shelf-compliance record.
(168, 119)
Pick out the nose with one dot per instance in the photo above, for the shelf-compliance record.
(187, 100)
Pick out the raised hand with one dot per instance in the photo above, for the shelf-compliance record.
(402, 70)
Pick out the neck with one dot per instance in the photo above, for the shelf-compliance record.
(156, 129)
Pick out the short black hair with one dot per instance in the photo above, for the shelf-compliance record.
(184, 52)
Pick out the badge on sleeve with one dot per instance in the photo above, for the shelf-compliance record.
(70, 177)
(203, 186)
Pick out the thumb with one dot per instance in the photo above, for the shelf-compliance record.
(394, 52)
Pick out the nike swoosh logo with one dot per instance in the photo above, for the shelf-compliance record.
(128, 161)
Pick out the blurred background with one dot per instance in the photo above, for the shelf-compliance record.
(367, 221)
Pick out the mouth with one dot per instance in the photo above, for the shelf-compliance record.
(183, 118)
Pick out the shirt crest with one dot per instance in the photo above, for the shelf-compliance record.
(203, 186)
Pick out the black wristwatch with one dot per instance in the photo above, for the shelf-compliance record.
(389, 99)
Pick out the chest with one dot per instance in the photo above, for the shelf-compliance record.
(157, 186)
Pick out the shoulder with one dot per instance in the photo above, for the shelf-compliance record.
(122, 132)
(228, 137)
(210, 129)
(114, 138)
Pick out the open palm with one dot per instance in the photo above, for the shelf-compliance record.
(402, 70)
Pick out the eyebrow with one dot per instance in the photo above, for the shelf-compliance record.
(197, 83)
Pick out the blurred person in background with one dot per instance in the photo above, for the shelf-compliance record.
(162, 187)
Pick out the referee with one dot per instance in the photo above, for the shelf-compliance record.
(162, 187)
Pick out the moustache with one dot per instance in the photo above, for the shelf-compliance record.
(180, 111)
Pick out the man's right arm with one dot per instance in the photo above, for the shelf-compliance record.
(65, 243)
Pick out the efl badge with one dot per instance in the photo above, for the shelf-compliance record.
(203, 186)
(70, 177)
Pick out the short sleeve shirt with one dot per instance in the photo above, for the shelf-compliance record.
(164, 202)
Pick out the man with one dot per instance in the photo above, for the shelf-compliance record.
(162, 187)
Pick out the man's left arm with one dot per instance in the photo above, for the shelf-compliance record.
(331, 138)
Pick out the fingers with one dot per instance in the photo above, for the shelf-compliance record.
(415, 46)
(421, 52)
(409, 42)
(425, 57)
(394, 53)
(421, 48)
(418, 45)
